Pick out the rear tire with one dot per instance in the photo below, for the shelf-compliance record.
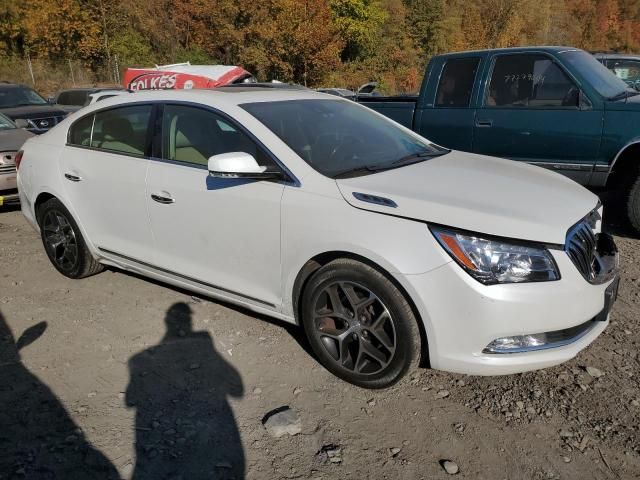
(64, 243)
(359, 324)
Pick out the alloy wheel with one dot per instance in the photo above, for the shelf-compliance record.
(60, 239)
(355, 327)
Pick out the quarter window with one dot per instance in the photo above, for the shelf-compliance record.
(456, 82)
(192, 135)
(532, 81)
(80, 132)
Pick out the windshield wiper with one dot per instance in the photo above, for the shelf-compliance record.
(624, 94)
(413, 158)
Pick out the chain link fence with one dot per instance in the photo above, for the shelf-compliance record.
(48, 77)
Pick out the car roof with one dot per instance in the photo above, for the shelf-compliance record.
(542, 48)
(223, 95)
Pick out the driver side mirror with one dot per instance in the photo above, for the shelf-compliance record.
(21, 123)
(238, 165)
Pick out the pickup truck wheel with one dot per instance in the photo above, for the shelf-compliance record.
(359, 325)
(632, 200)
(64, 243)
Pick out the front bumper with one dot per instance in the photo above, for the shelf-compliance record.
(8, 188)
(462, 317)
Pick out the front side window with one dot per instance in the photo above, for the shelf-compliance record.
(339, 137)
(456, 82)
(628, 71)
(192, 135)
(19, 96)
(532, 81)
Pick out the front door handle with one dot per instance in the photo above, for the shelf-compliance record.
(484, 123)
(72, 178)
(165, 200)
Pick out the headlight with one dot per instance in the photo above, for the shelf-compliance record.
(497, 261)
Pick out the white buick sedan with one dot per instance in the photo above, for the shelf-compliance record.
(388, 250)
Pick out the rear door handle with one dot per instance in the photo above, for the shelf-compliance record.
(71, 177)
(165, 200)
(484, 123)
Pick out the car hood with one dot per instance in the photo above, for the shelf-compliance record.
(12, 140)
(477, 193)
(32, 111)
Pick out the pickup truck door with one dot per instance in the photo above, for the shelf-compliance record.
(446, 117)
(533, 110)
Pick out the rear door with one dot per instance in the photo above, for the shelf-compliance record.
(447, 118)
(533, 111)
(104, 167)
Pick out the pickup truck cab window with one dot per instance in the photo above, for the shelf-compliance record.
(456, 82)
(191, 135)
(530, 80)
(340, 138)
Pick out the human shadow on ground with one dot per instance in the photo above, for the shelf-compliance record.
(38, 438)
(185, 428)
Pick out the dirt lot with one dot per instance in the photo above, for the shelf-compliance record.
(133, 379)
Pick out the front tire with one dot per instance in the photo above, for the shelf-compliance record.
(632, 202)
(63, 241)
(359, 324)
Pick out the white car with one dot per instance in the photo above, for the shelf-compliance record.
(388, 250)
(103, 95)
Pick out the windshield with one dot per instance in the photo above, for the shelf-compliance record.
(599, 76)
(19, 96)
(341, 137)
(5, 123)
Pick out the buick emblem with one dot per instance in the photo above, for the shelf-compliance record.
(44, 123)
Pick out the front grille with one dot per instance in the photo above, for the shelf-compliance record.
(581, 248)
(45, 123)
(594, 254)
(7, 169)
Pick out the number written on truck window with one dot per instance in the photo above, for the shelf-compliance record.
(531, 81)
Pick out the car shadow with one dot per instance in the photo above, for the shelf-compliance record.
(179, 389)
(295, 331)
(38, 438)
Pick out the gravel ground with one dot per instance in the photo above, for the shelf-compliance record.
(117, 376)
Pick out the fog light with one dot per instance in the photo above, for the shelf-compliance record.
(517, 343)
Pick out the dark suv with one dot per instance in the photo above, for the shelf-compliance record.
(626, 67)
(28, 109)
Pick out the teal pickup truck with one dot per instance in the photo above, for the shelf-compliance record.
(556, 107)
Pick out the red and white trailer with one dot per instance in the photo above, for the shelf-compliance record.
(184, 76)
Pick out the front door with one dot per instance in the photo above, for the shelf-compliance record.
(104, 167)
(533, 111)
(222, 233)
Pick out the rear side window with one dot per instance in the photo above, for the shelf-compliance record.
(122, 129)
(192, 135)
(456, 82)
(532, 81)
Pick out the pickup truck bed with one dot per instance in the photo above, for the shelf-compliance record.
(400, 108)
